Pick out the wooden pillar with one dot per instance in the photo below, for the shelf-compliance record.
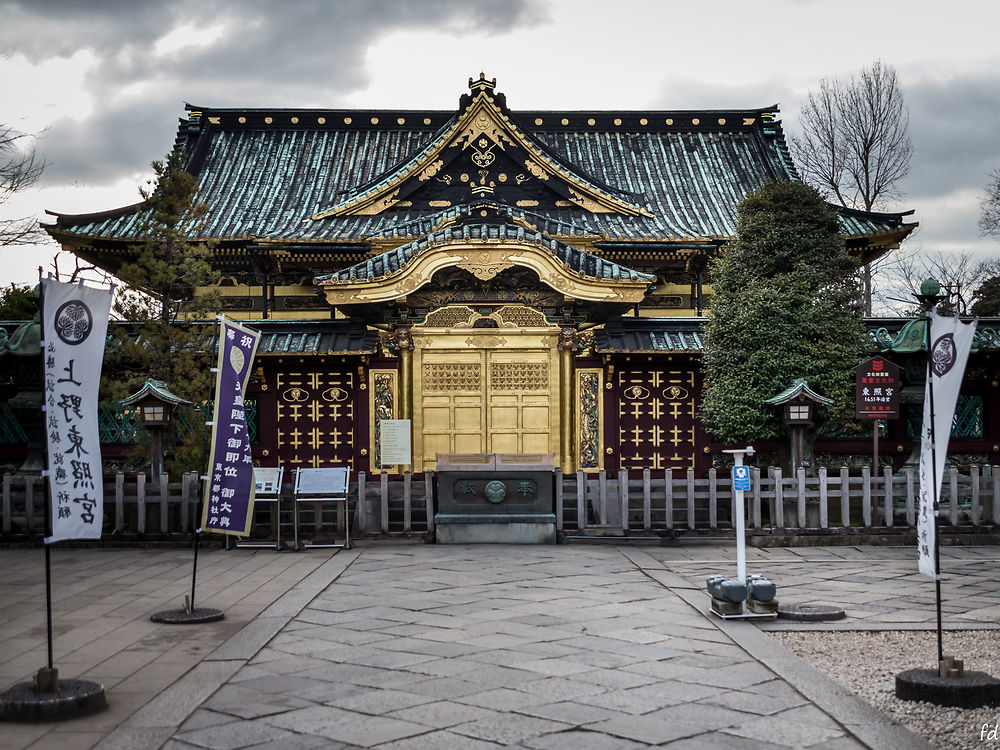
(567, 348)
(405, 343)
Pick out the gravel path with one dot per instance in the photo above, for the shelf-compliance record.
(867, 662)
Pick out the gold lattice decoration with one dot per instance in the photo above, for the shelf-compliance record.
(519, 376)
(521, 316)
(448, 317)
(447, 378)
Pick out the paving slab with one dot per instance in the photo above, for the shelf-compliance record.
(409, 646)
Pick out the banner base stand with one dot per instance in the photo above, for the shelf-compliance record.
(70, 699)
(195, 616)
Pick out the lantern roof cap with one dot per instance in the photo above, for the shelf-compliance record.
(799, 389)
(156, 389)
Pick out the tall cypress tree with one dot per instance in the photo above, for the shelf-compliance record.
(169, 327)
(785, 305)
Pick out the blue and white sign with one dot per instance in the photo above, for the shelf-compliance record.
(741, 478)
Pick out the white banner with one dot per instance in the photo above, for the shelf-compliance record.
(74, 329)
(951, 341)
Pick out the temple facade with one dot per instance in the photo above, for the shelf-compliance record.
(510, 281)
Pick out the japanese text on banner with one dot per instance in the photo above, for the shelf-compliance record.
(75, 327)
(230, 488)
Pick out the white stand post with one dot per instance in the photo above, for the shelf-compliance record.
(738, 515)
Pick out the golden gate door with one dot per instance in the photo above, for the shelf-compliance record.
(483, 400)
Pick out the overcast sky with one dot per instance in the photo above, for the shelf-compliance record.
(103, 82)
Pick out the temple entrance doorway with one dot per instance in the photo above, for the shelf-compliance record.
(484, 390)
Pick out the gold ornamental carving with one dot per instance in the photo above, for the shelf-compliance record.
(488, 341)
(485, 263)
(481, 124)
(430, 170)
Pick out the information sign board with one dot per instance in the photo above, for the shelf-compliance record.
(877, 384)
(395, 442)
(741, 478)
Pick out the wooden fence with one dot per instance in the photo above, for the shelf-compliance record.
(654, 502)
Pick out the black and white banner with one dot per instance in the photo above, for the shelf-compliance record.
(950, 342)
(74, 330)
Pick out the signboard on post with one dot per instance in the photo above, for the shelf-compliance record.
(741, 478)
(877, 389)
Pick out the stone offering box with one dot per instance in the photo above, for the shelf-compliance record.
(495, 498)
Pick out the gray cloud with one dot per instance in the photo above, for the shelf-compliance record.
(953, 127)
(297, 53)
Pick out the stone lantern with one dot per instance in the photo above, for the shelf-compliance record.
(798, 402)
(156, 405)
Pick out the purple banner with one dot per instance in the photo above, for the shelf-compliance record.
(228, 505)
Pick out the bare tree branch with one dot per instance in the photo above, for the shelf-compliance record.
(19, 170)
(855, 143)
(989, 218)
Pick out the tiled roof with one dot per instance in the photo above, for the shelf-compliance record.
(578, 260)
(266, 176)
(650, 335)
(298, 337)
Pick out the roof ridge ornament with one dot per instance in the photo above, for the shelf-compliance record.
(482, 84)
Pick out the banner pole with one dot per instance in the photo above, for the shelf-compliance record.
(46, 492)
(937, 513)
(204, 462)
(934, 486)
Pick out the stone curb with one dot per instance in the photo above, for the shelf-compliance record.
(865, 723)
(156, 722)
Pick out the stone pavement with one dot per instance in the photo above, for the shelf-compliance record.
(877, 587)
(402, 645)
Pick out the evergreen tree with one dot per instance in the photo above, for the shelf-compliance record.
(168, 329)
(785, 305)
(18, 302)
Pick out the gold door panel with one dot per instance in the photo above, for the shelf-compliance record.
(472, 396)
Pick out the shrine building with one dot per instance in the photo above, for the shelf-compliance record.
(511, 281)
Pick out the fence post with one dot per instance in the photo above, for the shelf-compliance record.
(384, 499)
(974, 476)
(889, 497)
(558, 479)
(119, 502)
(824, 499)
(407, 504)
(623, 496)
(995, 472)
(8, 505)
(186, 478)
(690, 498)
(140, 503)
(164, 502)
(800, 504)
(429, 498)
(910, 494)
(647, 504)
(713, 499)
(953, 504)
(29, 503)
(603, 497)
(756, 497)
(361, 509)
(779, 499)
(866, 496)
(581, 500)
(668, 497)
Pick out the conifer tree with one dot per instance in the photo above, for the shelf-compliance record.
(785, 305)
(169, 328)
